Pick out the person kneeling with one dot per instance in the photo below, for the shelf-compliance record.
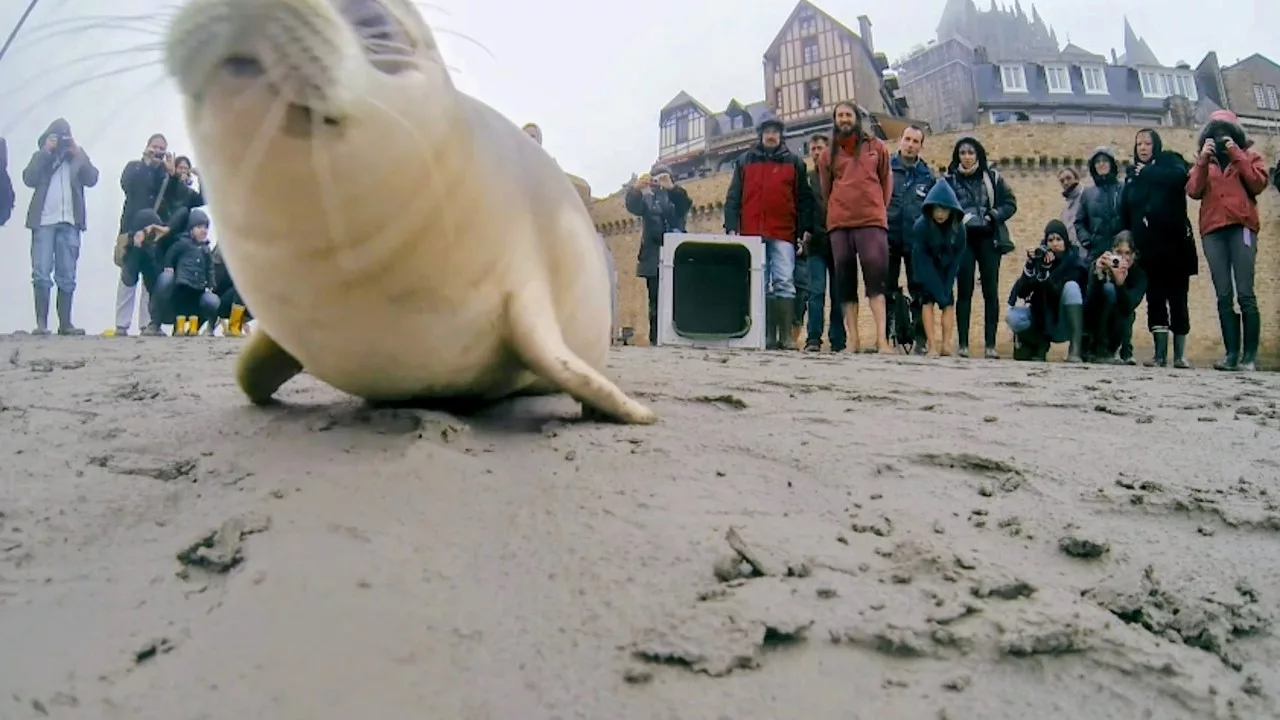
(1116, 287)
(191, 263)
(1051, 285)
(938, 243)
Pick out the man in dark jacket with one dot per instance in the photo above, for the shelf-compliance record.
(59, 172)
(7, 196)
(820, 265)
(770, 197)
(662, 207)
(912, 180)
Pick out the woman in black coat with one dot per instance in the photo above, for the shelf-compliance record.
(1153, 206)
(662, 207)
(1052, 284)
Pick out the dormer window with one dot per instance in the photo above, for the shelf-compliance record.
(807, 22)
(1057, 78)
(1013, 78)
(1095, 79)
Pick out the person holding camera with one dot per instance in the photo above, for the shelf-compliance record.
(58, 173)
(1227, 178)
(662, 207)
(1116, 286)
(143, 181)
(1051, 287)
(1153, 207)
(989, 204)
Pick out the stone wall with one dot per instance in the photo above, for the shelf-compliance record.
(1030, 157)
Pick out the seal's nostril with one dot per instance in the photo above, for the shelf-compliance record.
(244, 66)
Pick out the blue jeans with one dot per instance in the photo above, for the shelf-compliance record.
(819, 273)
(55, 253)
(779, 269)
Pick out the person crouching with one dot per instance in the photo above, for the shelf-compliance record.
(231, 308)
(1051, 284)
(937, 246)
(191, 262)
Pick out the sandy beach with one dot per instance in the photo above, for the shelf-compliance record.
(814, 537)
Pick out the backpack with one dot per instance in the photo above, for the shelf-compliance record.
(901, 322)
(7, 196)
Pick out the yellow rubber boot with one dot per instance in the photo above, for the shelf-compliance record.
(193, 326)
(235, 324)
(180, 326)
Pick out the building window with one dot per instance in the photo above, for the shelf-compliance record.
(1186, 86)
(777, 99)
(1259, 97)
(1160, 84)
(1057, 78)
(809, 50)
(1095, 80)
(1000, 117)
(808, 23)
(1273, 101)
(1013, 78)
(813, 94)
(682, 130)
(1265, 97)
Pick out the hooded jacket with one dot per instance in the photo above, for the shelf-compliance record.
(142, 184)
(1098, 218)
(936, 250)
(856, 181)
(1071, 209)
(191, 261)
(911, 183)
(660, 212)
(8, 198)
(769, 195)
(40, 170)
(982, 192)
(1153, 206)
(1228, 184)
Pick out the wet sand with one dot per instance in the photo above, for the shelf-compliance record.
(800, 537)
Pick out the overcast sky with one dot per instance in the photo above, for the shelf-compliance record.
(592, 73)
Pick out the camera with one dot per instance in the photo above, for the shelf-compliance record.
(64, 143)
(1038, 255)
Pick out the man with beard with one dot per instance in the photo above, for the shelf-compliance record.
(857, 185)
(912, 180)
(769, 197)
(1071, 192)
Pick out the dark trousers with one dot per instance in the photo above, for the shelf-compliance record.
(229, 298)
(980, 256)
(1108, 329)
(1167, 306)
(651, 284)
(822, 277)
(1231, 253)
(801, 279)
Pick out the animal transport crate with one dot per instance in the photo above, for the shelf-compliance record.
(711, 291)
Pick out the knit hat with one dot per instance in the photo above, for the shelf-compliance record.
(1056, 227)
(143, 219)
(197, 218)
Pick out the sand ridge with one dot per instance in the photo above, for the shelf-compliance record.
(799, 537)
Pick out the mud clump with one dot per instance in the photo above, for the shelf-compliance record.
(1084, 548)
(218, 551)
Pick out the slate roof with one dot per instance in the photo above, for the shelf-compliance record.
(1124, 90)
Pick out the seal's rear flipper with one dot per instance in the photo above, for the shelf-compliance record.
(536, 339)
(263, 367)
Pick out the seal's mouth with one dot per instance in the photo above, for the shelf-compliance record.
(298, 115)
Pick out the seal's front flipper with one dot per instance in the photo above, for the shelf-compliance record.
(535, 337)
(263, 367)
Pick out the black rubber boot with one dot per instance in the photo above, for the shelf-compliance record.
(1075, 323)
(786, 321)
(42, 311)
(771, 323)
(1231, 340)
(1252, 325)
(64, 315)
(1180, 352)
(1159, 340)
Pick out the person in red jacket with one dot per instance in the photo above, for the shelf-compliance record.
(1227, 179)
(857, 184)
(770, 197)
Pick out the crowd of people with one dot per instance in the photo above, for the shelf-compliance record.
(163, 240)
(862, 207)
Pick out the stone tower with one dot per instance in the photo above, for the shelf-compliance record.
(1006, 33)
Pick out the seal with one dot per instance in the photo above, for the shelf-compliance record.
(395, 237)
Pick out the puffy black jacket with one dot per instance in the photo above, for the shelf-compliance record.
(1098, 217)
(191, 262)
(910, 185)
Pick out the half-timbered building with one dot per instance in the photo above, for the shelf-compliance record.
(812, 64)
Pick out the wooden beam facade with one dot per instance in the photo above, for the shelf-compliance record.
(812, 69)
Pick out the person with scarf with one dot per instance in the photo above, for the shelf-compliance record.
(661, 209)
(988, 203)
(1153, 207)
(769, 197)
(1227, 178)
(857, 185)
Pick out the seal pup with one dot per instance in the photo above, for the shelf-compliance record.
(395, 238)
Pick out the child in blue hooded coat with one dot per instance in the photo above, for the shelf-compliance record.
(939, 245)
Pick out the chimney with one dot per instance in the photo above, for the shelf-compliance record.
(864, 29)
(1114, 60)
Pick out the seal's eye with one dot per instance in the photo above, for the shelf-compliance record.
(386, 44)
